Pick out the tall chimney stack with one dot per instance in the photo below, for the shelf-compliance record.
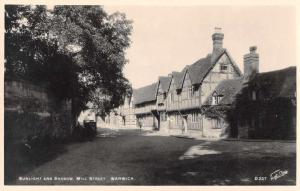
(217, 38)
(251, 63)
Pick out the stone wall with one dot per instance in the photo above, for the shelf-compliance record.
(31, 111)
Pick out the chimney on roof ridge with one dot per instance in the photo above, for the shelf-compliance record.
(217, 38)
(251, 63)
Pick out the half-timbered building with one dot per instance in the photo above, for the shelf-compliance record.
(175, 102)
(145, 106)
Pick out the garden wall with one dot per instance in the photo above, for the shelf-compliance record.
(31, 111)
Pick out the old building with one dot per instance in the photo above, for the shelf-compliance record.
(257, 105)
(266, 107)
(209, 97)
(126, 113)
(145, 106)
(121, 117)
(219, 102)
(175, 102)
(180, 107)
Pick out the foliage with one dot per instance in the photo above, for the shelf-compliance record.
(272, 116)
(216, 111)
(77, 51)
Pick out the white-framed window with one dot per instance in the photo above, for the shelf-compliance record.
(216, 99)
(194, 117)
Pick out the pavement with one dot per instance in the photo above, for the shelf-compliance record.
(134, 157)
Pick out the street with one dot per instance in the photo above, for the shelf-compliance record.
(131, 157)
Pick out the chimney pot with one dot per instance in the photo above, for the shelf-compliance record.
(252, 49)
(218, 30)
(217, 38)
(251, 64)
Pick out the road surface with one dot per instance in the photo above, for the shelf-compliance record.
(131, 157)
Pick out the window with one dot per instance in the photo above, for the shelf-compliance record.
(216, 99)
(194, 117)
(223, 68)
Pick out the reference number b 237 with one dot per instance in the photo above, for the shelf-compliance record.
(260, 178)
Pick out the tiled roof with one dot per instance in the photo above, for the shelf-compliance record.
(181, 77)
(197, 73)
(198, 70)
(177, 76)
(145, 94)
(228, 89)
(279, 83)
(201, 68)
(165, 82)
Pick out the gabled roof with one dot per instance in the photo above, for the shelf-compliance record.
(145, 94)
(197, 73)
(182, 76)
(202, 67)
(198, 70)
(165, 83)
(279, 83)
(177, 77)
(228, 89)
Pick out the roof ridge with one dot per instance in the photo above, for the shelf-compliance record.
(279, 70)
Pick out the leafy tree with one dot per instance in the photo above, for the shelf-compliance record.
(77, 51)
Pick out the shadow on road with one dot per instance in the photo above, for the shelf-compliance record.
(159, 160)
(18, 160)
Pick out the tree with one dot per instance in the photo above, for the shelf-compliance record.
(77, 51)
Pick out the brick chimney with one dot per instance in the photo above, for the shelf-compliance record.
(217, 38)
(251, 63)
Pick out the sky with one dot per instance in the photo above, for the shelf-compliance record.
(166, 38)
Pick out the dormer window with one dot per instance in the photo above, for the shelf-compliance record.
(216, 98)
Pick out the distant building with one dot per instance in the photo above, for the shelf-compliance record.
(87, 115)
(145, 106)
(121, 117)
